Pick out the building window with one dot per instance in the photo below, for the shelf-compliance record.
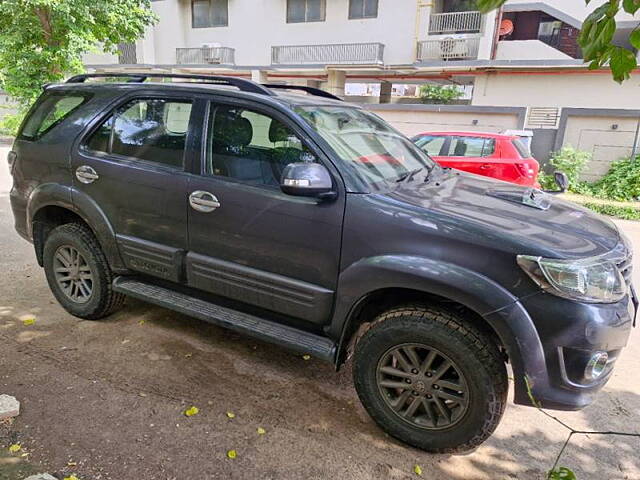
(209, 13)
(299, 11)
(363, 9)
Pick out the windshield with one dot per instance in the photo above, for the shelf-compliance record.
(367, 143)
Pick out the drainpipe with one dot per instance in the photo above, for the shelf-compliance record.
(634, 150)
(496, 33)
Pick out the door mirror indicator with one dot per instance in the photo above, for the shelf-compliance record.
(307, 180)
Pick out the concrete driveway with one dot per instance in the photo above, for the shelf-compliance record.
(105, 400)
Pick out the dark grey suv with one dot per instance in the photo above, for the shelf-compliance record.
(304, 221)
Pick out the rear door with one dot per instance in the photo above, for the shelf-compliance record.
(131, 165)
(471, 154)
(248, 240)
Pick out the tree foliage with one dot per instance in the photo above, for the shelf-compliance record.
(596, 36)
(439, 93)
(41, 41)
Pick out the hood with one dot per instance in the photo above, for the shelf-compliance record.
(536, 222)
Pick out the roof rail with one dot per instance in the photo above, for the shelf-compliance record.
(310, 90)
(240, 83)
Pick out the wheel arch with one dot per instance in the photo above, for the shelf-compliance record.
(52, 205)
(382, 282)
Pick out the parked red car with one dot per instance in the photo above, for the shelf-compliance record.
(505, 157)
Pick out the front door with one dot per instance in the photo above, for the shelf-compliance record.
(247, 239)
(131, 167)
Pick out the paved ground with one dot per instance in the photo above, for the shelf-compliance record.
(108, 397)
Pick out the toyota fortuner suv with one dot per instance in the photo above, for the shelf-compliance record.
(301, 220)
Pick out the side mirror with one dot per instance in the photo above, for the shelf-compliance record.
(561, 180)
(307, 180)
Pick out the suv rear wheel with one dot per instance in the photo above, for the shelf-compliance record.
(430, 379)
(78, 273)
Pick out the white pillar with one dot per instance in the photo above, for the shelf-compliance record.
(259, 76)
(335, 82)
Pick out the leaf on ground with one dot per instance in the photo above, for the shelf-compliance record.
(71, 477)
(261, 431)
(15, 448)
(306, 357)
(417, 469)
(28, 320)
(232, 454)
(562, 473)
(190, 412)
(142, 321)
(231, 415)
(188, 355)
(72, 464)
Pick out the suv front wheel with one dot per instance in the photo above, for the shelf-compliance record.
(78, 273)
(430, 379)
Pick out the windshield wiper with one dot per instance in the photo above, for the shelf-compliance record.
(408, 176)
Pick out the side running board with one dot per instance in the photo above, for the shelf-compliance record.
(266, 330)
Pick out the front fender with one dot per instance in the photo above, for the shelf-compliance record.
(499, 308)
(85, 207)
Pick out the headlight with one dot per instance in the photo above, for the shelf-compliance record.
(595, 280)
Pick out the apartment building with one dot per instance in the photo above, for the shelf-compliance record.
(522, 63)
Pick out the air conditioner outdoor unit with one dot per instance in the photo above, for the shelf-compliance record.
(453, 48)
(212, 53)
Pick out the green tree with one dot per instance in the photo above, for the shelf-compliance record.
(596, 36)
(439, 93)
(42, 41)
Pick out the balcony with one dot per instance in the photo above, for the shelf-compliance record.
(336, 54)
(205, 56)
(458, 22)
(448, 49)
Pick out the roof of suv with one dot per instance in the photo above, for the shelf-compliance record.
(279, 94)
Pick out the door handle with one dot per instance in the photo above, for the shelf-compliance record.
(204, 202)
(86, 174)
(485, 166)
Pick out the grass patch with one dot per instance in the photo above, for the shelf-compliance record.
(625, 213)
(612, 208)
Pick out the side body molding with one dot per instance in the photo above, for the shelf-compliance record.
(501, 310)
(67, 197)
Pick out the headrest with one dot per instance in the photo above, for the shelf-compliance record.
(231, 130)
(278, 132)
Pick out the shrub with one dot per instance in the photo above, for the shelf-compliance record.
(439, 93)
(626, 213)
(570, 161)
(10, 122)
(622, 181)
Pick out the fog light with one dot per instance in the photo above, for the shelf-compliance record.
(596, 366)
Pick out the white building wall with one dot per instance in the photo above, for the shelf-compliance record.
(577, 9)
(257, 25)
(583, 89)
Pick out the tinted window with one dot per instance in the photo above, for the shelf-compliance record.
(49, 112)
(471, 147)
(305, 11)
(251, 147)
(522, 148)
(431, 145)
(363, 8)
(150, 129)
(209, 13)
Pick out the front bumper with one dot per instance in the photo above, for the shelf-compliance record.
(549, 373)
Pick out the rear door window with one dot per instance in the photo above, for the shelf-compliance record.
(49, 112)
(431, 144)
(522, 148)
(153, 130)
(472, 147)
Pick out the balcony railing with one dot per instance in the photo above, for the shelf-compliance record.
(205, 56)
(458, 22)
(449, 48)
(336, 54)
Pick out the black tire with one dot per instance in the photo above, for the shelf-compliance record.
(478, 366)
(102, 300)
